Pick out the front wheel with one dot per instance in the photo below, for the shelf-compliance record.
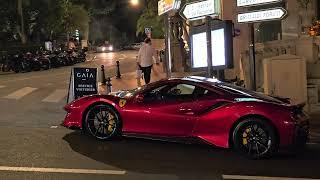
(102, 122)
(255, 138)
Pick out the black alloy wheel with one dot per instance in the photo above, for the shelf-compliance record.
(102, 122)
(255, 138)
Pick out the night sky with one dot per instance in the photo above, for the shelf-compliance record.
(123, 20)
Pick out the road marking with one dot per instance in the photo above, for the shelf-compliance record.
(239, 177)
(56, 96)
(62, 170)
(20, 93)
(53, 127)
(1, 86)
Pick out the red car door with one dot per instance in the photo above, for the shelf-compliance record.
(208, 100)
(173, 114)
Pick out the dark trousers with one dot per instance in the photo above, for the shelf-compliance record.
(146, 73)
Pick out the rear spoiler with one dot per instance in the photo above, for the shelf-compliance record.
(297, 108)
(283, 99)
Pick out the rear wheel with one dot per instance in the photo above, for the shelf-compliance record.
(102, 122)
(255, 138)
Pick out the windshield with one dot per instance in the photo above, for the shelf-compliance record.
(240, 90)
(127, 93)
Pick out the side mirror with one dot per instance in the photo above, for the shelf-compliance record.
(139, 98)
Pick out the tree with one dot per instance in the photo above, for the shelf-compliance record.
(74, 17)
(149, 18)
(21, 25)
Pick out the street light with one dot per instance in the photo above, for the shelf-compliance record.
(134, 2)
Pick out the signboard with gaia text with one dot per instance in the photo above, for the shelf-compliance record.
(83, 82)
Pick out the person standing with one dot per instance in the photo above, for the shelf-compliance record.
(145, 59)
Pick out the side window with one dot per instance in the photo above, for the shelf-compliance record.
(179, 92)
(204, 93)
(154, 94)
(182, 89)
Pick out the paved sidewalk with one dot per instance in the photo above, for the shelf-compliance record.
(129, 80)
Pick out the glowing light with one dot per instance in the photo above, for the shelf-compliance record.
(134, 2)
(103, 48)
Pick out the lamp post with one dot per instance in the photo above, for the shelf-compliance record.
(134, 2)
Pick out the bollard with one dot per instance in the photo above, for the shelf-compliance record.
(109, 85)
(103, 76)
(118, 70)
(138, 77)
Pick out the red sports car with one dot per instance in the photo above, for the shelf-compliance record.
(218, 113)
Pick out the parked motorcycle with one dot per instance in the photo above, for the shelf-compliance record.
(44, 60)
(31, 63)
(80, 56)
(7, 64)
(71, 58)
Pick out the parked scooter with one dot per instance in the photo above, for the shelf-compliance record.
(71, 58)
(31, 63)
(80, 56)
(44, 60)
(7, 64)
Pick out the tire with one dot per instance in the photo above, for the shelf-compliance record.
(98, 125)
(255, 138)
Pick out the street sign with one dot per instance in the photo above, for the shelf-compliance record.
(262, 15)
(167, 5)
(242, 3)
(83, 82)
(147, 30)
(197, 10)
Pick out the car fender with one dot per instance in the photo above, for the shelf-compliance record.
(80, 107)
(214, 127)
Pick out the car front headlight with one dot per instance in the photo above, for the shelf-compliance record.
(103, 48)
(110, 48)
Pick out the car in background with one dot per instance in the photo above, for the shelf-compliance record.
(136, 46)
(195, 108)
(133, 46)
(105, 48)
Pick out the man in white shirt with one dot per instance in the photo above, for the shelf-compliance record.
(145, 59)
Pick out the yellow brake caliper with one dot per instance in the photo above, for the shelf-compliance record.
(245, 136)
(111, 122)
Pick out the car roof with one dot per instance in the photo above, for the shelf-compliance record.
(198, 79)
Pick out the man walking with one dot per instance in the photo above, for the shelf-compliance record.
(145, 59)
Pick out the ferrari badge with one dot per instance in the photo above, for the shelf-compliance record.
(122, 102)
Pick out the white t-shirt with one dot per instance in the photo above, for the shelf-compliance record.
(146, 54)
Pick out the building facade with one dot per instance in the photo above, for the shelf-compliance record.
(275, 39)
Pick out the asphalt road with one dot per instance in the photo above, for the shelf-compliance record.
(34, 146)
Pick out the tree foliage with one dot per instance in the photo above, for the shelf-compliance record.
(37, 20)
(150, 19)
(74, 17)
